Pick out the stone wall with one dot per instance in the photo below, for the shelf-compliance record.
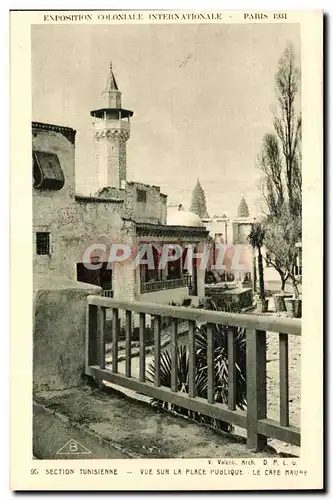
(226, 299)
(59, 326)
(152, 211)
(240, 232)
(77, 222)
(163, 208)
(217, 229)
(110, 154)
(176, 295)
(124, 275)
(73, 223)
(123, 157)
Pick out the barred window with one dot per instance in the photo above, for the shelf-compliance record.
(43, 246)
(47, 171)
(141, 195)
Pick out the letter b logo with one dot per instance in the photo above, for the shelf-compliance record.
(73, 447)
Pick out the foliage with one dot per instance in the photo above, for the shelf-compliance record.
(287, 126)
(257, 236)
(281, 236)
(220, 356)
(280, 161)
(210, 278)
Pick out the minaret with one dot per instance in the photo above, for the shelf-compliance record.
(243, 209)
(111, 126)
(198, 202)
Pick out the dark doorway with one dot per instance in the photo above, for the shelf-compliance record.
(100, 277)
(174, 269)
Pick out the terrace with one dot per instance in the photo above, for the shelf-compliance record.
(84, 351)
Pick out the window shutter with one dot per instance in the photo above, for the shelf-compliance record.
(47, 171)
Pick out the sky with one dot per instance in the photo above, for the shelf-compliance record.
(202, 96)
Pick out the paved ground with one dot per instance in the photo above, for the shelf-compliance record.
(276, 286)
(133, 428)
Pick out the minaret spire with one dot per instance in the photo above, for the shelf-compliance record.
(111, 91)
(243, 209)
(198, 201)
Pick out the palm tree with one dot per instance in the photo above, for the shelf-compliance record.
(256, 240)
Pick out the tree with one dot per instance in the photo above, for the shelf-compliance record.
(280, 160)
(256, 240)
(287, 125)
(281, 237)
(277, 251)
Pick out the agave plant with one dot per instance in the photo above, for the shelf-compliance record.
(220, 355)
(182, 377)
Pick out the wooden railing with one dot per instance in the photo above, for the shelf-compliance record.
(254, 420)
(155, 286)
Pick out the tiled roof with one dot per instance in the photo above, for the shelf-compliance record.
(68, 132)
(157, 229)
(96, 199)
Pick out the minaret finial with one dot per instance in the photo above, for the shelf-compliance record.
(111, 84)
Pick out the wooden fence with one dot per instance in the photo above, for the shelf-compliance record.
(254, 419)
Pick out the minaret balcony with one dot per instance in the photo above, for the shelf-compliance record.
(121, 125)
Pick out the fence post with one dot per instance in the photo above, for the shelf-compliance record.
(256, 392)
(91, 336)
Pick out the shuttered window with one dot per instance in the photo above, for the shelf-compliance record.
(47, 171)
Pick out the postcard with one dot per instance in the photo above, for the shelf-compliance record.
(166, 194)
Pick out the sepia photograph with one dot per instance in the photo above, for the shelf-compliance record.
(167, 246)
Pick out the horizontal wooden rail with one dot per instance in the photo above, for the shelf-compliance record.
(218, 410)
(291, 326)
(272, 429)
(254, 420)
